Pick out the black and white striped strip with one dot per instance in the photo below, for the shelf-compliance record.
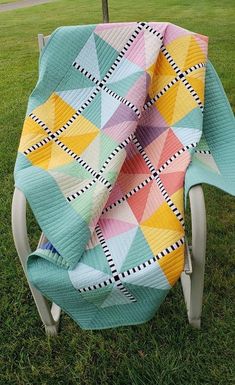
(135, 269)
(110, 157)
(53, 135)
(86, 73)
(170, 59)
(123, 51)
(170, 84)
(102, 86)
(81, 191)
(106, 250)
(159, 182)
(43, 141)
(160, 93)
(193, 93)
(112, 265)
(168, 199)
(178, 71)
(40, 123)
(123, 100)
(120, 147)
(129, 194)
(83, 163)
(149, 179)
(153, 31)
(173, 157)
(97, 286)
(157, 257)
(206, 152)
(193, 68)
(36, 146)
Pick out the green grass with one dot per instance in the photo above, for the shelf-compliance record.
(8, 1)
(165, 351)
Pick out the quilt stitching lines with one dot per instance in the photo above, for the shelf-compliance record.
(170, 84)
(137, 268)
(155, 174)
(182, 77)
(61, 129)
(120, 147)
(102, 86)
(149, 179)
(113, 268)
(88, 101)
(82, 162)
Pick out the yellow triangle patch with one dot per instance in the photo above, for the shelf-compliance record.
(80, 142)
(31, 134)
(159, 239)
(163, 218)
(173, 264)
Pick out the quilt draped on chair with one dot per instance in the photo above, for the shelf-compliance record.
(111, 128)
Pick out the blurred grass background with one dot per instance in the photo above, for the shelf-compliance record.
(166, 350)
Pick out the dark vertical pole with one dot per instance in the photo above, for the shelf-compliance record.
(105, 9)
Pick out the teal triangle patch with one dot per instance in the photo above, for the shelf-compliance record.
(97, 296)
(106, 55)
(93, 111)
(121, 87)
(139, 252)
(96, 259)
(75, 80)
(192, 120)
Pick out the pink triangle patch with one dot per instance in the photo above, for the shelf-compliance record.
(112, 227)
(173, 181)
(138, 201)
(154, 149)
(136, 53)
(171, 146)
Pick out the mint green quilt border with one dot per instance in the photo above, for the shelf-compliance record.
(61, 224)
(54, 283)
(219, 131)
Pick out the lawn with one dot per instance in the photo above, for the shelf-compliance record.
(166, 350)
(7, 1)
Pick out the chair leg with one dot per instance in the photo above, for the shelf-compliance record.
(193, 284)
(49, 315)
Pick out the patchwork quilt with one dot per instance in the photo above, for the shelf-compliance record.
(112, 125)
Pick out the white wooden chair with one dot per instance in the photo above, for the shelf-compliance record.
(192, 279)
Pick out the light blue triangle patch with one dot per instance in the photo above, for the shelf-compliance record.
(119, 246)
(76, 98)
(84, 275)
(122, 87)
(88, 59)
(187, 135)
(193, 120)
(93, 111)
(125, 69)
(108, 106)
(150, 276)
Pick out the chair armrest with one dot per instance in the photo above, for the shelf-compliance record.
(19, 227)
(198, 220)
